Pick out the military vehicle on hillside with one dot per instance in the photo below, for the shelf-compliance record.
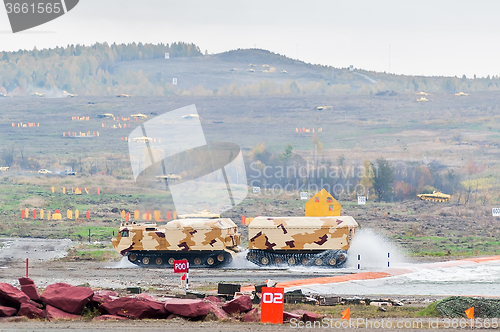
(422, 99)
(70, 95)
(205, 214)
(436, 196)
(169, 177)
(139, 116)
(106, 115)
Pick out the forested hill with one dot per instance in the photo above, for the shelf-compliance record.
(142, 69)
(82, 69)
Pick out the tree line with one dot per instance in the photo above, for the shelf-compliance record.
(92, 70)
(83, 69)
(380, 180)
(286, 171)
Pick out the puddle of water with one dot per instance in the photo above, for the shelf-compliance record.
(374, 252)
(480, 280)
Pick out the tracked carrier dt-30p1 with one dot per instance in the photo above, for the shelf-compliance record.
(321, 238)
(204, 242)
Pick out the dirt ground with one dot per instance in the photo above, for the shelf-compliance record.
(119, 275)
(185, 326)
(34, 249)
(159, 282)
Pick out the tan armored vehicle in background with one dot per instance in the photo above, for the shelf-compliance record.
(436, 196)
(204, 242)
(168, 177)
(205, 214)
(106, 115)
(322, 238)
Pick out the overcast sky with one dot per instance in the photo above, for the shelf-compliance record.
(404, 37)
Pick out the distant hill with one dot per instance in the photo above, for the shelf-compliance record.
(142, 69)
(261, 72)
(256, 55)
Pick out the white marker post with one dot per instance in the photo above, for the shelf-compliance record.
(174, 81)
(256, 190)
(361, 200)
(495, 212)
(187, 276)
(304, 195)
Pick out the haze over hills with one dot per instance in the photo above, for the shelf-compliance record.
(256, 71)
(142, 69)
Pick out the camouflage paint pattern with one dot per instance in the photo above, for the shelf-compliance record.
(301, 233)
(178, 235)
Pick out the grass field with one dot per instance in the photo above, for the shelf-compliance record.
(367, 311)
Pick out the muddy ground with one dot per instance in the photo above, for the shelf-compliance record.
(120, 275)
(158, 282)
(184, 326)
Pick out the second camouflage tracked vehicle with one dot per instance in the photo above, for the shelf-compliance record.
(322, 238)
(204, 242)
(320, 241)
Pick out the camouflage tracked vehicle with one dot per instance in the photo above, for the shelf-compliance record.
(436, 196)
(322, 238)
(203, 242)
